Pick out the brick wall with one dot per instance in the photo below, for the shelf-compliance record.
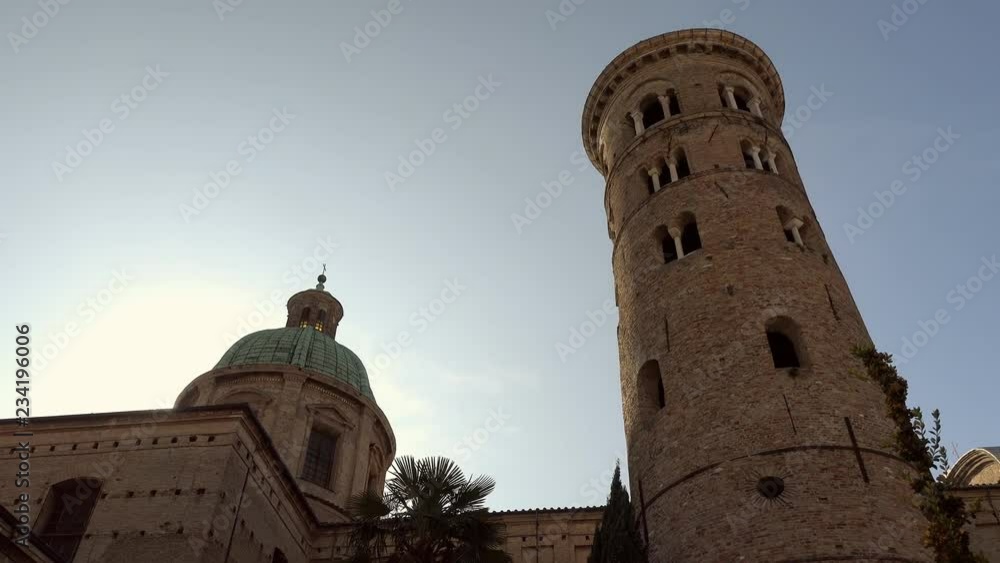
(732, 418)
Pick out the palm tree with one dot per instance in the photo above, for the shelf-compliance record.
(430, 513)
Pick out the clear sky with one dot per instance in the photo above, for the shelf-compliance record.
(155, 272)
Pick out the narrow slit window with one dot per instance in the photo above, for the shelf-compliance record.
(652, 394)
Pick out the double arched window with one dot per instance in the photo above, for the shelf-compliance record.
(740, 98)
(654, 108)
(681, 240)
(667, 171)
(755, 158)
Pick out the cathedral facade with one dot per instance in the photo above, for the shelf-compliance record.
(750, 435)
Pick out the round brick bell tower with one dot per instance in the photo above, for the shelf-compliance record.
(752, 433)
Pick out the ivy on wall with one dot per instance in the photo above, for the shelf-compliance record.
(946, 514)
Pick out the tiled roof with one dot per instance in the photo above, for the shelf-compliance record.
(306, 348)
(555, 509)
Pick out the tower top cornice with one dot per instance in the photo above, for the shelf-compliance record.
(664, 46)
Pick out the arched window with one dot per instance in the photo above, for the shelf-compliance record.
(748, 155)
(651, 394)
(657, 176)
(785, 341)
(681, 162)
(318, 465)
(742, 98)
(675, 103)
(785, 220)
(690, 239)
(667, 245)
(304, 318)
(652, 111)
(66, 513)
(652, 184)
(735, 97)
(321, 320)
(278, 556)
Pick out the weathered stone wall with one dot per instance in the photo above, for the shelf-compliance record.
(731, 417)
(563, 535)
(289, 402)
(550, 536)
(170, 486)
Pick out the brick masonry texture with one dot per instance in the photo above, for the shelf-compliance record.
(731, 417)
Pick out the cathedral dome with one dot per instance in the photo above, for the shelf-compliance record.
(303, 347)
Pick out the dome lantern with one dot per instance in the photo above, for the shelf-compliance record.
(315, 308)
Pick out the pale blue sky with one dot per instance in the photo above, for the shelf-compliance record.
(492, 352)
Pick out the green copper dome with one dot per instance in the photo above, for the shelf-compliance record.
(306, 348)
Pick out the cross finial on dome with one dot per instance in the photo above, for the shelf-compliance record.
(321, 279)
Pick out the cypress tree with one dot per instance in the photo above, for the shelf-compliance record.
(617, 539)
